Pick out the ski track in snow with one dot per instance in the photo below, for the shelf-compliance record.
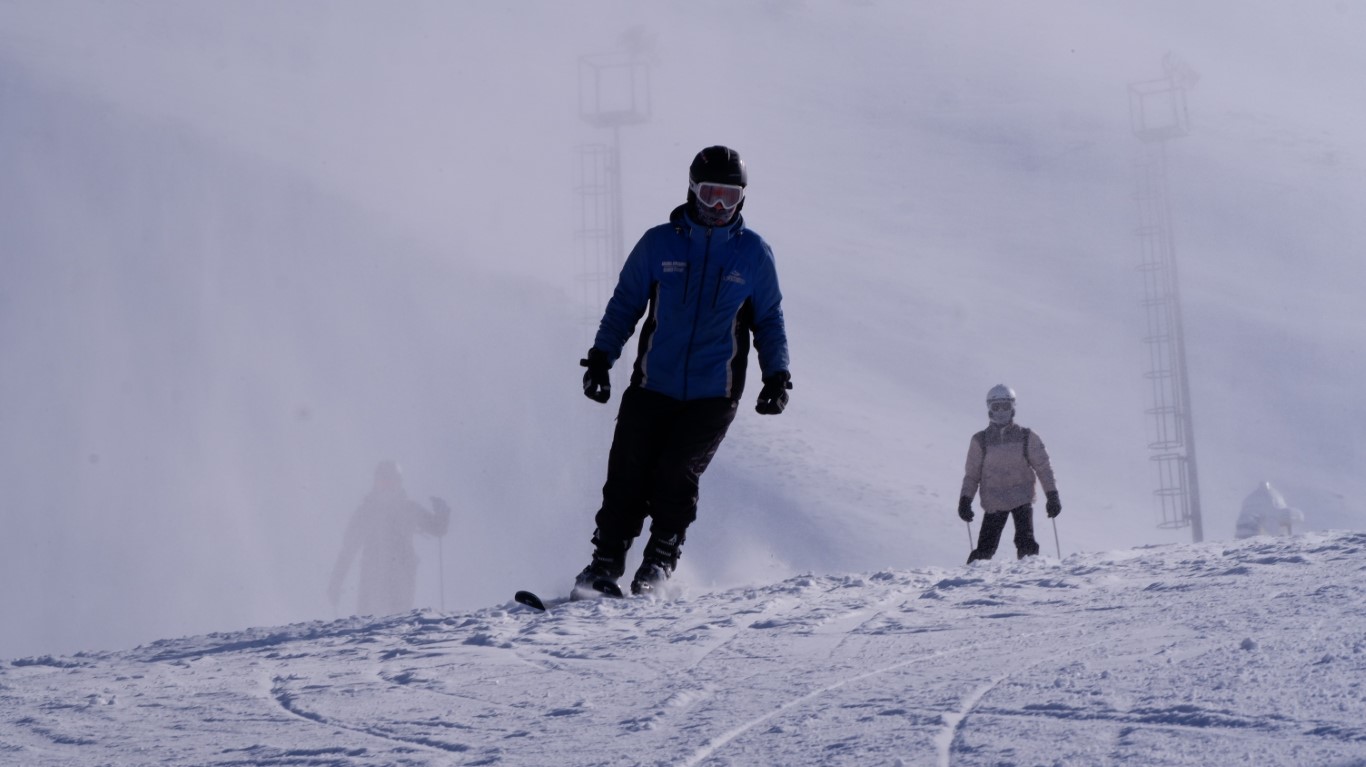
(951, 720)
(954, 720)
(1151, 657)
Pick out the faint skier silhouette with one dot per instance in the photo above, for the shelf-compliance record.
(381, 531)
(1265, 512)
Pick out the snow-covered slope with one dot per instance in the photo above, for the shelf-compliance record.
(1171, 655)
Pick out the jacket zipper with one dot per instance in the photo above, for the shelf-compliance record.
(697, 313)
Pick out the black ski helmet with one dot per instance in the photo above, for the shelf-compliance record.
(719, 165)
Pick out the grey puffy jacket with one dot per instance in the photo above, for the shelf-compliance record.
(1003, 462)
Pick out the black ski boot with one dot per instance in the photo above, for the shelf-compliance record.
(600, 576)
(649, 578)
(661, 557)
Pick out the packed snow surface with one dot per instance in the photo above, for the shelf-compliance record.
(1196, 654)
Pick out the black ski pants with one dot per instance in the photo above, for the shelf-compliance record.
(659, 450)
(994, 523)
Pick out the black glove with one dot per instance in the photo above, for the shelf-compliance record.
(1054, 506)
(965, 508)
(773, 397)
(597, 382)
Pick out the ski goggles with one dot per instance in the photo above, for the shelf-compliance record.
(1001, 406)
(712, 194)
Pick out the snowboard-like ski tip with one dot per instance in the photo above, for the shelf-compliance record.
(530, 600)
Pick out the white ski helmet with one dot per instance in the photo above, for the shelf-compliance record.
(1000, 391)
(1004, 412)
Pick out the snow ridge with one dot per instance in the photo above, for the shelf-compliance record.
(1168, 655)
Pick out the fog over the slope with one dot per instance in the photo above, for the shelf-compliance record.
(249, 249)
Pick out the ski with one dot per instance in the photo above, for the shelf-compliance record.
(530, 600)
(600, 589)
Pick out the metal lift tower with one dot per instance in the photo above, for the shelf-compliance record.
(1157, 110)
(614, 91)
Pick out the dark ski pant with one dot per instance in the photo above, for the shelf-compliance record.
(994, 523)
(659, 451)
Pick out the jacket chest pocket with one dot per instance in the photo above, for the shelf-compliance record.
(674, 282)
(728, 289)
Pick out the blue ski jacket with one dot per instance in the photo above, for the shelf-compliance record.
(706, 290)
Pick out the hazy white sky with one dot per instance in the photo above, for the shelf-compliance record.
(252, 248)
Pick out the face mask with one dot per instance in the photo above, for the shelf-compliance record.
(718, 216)
(1001, 412)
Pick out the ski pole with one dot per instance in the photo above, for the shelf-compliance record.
(442, 510)
(1056, 547)
(970, 546)
(441, 571)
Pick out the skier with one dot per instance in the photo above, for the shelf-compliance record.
(1265, 512)
(381, 531)
(1003, 462)
(708, 283)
